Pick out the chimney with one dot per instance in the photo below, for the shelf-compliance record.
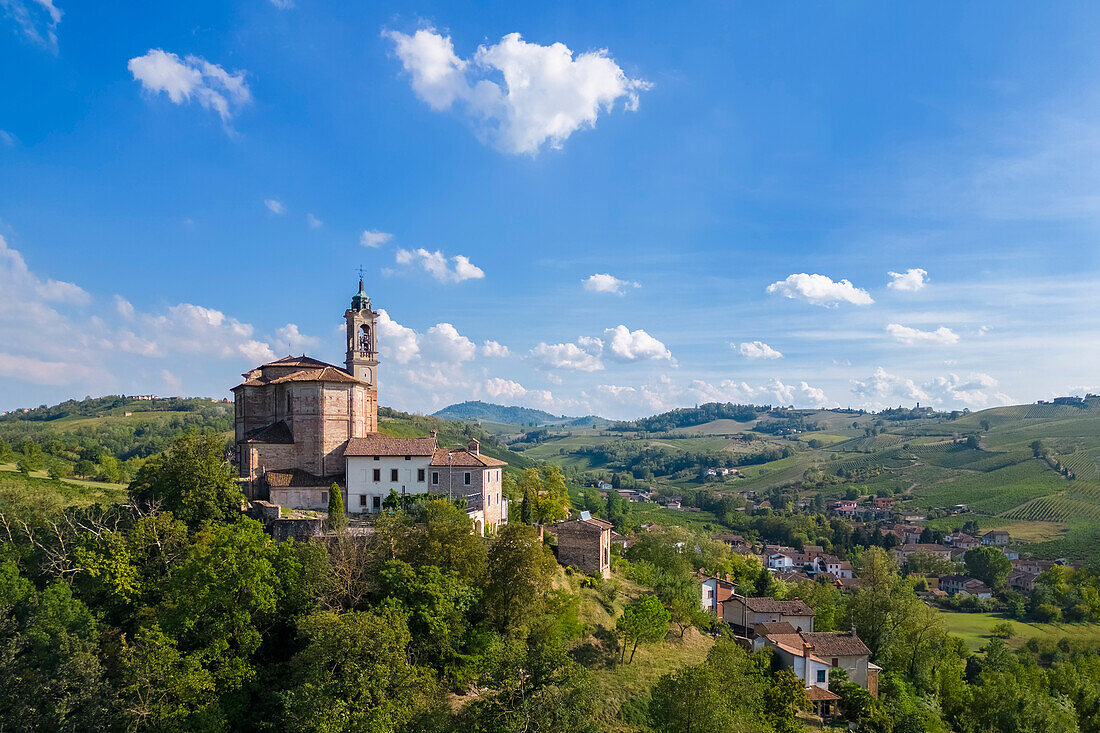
(433, 433)
(474, 447)
(728, 578)
(806, 648)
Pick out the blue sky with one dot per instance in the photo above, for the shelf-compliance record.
(679, 203)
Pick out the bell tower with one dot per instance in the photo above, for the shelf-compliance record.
(362, 359)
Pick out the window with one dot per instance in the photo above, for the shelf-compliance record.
(324, 497)
(393, 474)
(835, 661)
(466, 478)
(820, 675)
(435, 477)
(377, 474)
(377, 502)
(288, 403)
(420, 475)
(362, 500)
(408, 458)
(378, 458)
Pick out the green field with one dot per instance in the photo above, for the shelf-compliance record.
(974, 628)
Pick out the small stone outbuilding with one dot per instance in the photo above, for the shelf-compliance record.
(585, 543)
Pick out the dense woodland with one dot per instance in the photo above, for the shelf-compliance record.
(172, 611)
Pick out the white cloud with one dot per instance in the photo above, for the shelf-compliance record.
(498, 388)
(8, 139)
(605, 283)
(40, 371)
(38, 19)
(883, 389)
(911, 280)
(283, 4)
(633, 345)
(293, 341)
(455, 270)
(592, 344)
(910, 336)
(181, 79)
(200, 330)
(399, 342)
(124, 307)
(566, 356)
(547, 93)
(820, 290)
(275, 206)
(314, 222)
(757, 350)
(492, 348)
(443, 343)
(171, 381)
(374, 238)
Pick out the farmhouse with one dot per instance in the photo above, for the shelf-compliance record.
(714, 592)
(964, 585)
(743, 614)
(813, 656)
(996, 538)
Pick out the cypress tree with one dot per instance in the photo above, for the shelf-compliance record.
(337, 519)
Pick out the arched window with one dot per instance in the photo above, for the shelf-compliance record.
(364, 337)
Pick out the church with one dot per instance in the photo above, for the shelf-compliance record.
(302, 425)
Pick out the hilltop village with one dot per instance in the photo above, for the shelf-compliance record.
(304, 559)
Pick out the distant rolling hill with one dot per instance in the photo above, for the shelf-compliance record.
(508, 415)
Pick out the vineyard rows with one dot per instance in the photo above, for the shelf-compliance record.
(1056, 508)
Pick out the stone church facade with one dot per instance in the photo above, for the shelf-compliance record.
(302, 425)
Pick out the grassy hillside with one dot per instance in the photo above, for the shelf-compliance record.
(1030, 466)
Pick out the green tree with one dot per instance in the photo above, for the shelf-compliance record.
(435, 603)
(693, 699)
(49, 658)
(110, 470)
(528, 509)
(337, 518)
(554, 503)
(520, 581)
(644, 620)
(353, 674)
(192, 480)
(444, 538)
(988, 565)
(782, 699)
(84, 468)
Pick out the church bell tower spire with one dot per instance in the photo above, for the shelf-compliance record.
(362, 358)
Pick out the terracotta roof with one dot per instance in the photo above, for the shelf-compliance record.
(464, 459)
(324, 374)
(774, 627)
(275, 433)
(597, 523)
(793, 645)
(300, 361)
(836, 643)
(918, 547)
(376, 444)
(820, 694)
(770, 605)
(296, 477)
